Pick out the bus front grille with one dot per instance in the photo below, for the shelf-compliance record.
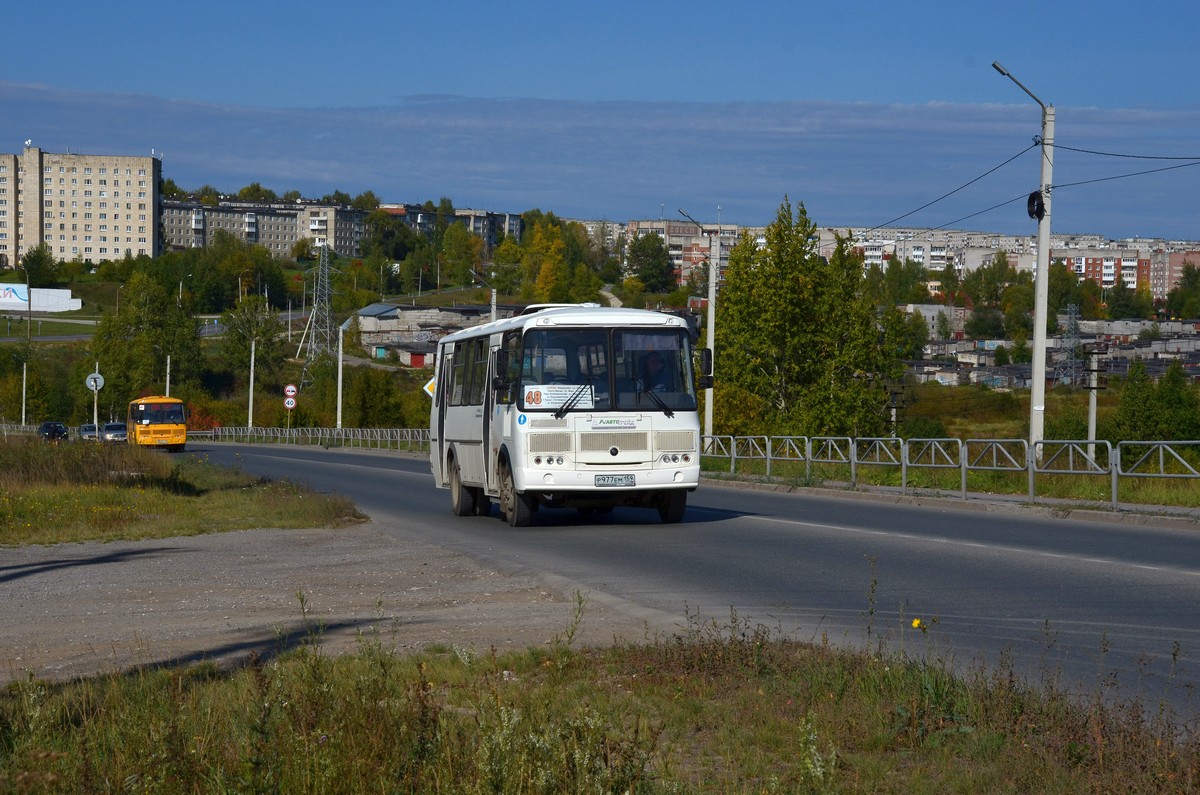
(675, 441)
(603, 441)
(550, 442)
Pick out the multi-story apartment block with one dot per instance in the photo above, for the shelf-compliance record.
(277, 227)
(1166, 267)
(688, 245)
(1107, 266)
(89, 208)
(488, 225)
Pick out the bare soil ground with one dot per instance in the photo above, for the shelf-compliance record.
(73, 610)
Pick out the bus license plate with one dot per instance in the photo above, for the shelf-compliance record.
(615, 480)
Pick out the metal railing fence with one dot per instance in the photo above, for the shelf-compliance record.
(1170, 460)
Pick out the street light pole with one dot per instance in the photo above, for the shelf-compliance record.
(1039, 208)
(714, 258)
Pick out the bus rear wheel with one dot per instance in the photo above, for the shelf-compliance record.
(516, 507)
(462, 499)
(671, 506)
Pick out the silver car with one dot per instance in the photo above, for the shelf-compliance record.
(87, 432)
(113, 432)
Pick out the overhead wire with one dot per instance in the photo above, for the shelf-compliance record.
(956, 190)
(1191, 161)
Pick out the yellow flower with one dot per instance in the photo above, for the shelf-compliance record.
(916, 623)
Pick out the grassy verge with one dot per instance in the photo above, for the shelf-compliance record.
(52, 494)
(713, 709)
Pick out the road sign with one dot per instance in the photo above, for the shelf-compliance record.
(290, 390)
(429, 387)
(289, 403)
(95, 382)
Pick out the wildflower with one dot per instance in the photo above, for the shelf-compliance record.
(917, 623)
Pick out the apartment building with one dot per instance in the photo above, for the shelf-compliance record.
(277, 227)
(490, 226)
(688, 244)
(89, 208)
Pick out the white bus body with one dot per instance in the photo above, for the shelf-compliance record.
(583, 406)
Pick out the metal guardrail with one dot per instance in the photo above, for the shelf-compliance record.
(409, 439)
(1049, 457)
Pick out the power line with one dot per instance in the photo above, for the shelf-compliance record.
(1117, 154)
(1125, 176)
(956, 190)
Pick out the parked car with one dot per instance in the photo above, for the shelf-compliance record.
(113, 432)
(51, 431)
(87, 432)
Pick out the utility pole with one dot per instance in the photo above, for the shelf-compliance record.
(1039, 208)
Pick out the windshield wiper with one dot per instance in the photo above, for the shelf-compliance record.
(570, 402)
(657, 400)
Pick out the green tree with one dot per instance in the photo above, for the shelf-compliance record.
(1001, 356)
(1136, 416)
(132, 346)
(951, 284)
(986, 284)
(252, 321)
(172, 191)
(41, 269)
(985, 323)
(905, 282)
(367, 201)
(648, 259)
(1178, 405)
(462, 254)
(1184, 298)
(943, 326)
(1017, 304)
(339, 198)
(255, 192)
(797, 332)
(208, 195)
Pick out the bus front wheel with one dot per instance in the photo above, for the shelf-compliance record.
(671, 506)
(517, 508)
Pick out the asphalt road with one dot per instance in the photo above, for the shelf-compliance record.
(1098, 606)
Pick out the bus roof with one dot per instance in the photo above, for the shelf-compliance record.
(573, 315)
(155, 399)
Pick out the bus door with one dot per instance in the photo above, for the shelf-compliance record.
(504, 369)
(441, 393)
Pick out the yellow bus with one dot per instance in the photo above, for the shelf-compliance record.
(157, 421)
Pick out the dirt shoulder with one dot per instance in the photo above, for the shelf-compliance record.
(73, 610)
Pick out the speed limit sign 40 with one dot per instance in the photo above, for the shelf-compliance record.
(289, 403)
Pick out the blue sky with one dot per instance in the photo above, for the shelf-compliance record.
(863, 111)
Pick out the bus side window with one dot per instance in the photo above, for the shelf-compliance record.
(512, 376)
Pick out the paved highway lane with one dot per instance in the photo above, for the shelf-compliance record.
(1089, 603)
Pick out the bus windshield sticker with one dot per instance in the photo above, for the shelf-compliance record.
(552, 396)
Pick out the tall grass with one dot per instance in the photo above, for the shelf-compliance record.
(714, 708)
(83, 491)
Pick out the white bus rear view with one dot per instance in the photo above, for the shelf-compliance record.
(579, 407)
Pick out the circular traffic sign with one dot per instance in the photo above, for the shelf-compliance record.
(95, 382)
(290, 390)
(289, 403)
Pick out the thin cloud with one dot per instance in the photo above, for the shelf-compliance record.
(850, 163)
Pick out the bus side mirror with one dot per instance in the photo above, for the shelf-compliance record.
(706, 366)
(500, 378)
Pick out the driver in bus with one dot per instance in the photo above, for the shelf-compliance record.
(655, 377)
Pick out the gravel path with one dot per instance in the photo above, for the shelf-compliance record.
(73, 610)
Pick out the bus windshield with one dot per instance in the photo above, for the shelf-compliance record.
(623, 369)
(157, 413)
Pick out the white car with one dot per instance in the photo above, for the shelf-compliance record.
(113, 432)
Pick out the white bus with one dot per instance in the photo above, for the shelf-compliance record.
(580, 406)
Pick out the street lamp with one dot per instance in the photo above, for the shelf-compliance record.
(180, 300)
(714, 258)
(1039, 208)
